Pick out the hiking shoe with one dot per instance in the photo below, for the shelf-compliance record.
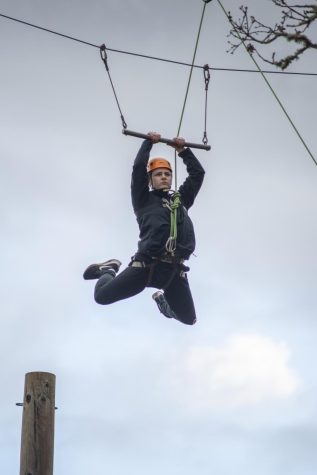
(95, 271)
(162, 304)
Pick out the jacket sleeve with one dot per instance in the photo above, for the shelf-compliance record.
(139, 179)
(191, 186)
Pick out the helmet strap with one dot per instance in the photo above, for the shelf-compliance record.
(150, 180)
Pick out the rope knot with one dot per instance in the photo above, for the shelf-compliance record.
(175, 200)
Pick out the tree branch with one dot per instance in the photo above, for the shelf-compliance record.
(295, 20)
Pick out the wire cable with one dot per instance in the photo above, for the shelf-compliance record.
(155, 58)
(104, 58)
(269, 85)
(206, 79)
(187, 64)
(188, 85)
(48, 31)
(191, 68)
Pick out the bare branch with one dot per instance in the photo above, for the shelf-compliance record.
(295, 21)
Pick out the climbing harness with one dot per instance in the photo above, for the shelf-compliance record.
(177, 267)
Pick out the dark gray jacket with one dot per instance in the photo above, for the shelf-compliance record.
(153, 218)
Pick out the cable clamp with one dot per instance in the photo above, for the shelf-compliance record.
(103, 55)
(206, 76)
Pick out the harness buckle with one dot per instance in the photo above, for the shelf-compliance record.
(138, 264)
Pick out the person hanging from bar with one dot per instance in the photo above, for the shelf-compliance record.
(166, 239)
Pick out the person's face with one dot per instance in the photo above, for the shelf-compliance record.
(161, 179)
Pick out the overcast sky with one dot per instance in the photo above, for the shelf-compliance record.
(136, 392)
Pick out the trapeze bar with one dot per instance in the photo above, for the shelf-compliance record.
(167, 141)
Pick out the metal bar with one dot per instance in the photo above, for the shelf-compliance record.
(167, 141)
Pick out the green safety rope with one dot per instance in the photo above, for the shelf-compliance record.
(170, 245)
(192, 67)
(174, 203)
(188, 84)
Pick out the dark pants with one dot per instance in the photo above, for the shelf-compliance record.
(133, 280)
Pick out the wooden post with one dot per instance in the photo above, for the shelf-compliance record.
(37, 443)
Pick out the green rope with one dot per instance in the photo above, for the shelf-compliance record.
(269, 85)
(176, 198)
(191, 69)
(174, 204)
(188, 84)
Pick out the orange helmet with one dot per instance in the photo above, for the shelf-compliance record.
(158, 162)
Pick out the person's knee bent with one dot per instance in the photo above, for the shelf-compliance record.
(102, 294)
(102, 298)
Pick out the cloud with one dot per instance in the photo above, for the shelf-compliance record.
(248, 369)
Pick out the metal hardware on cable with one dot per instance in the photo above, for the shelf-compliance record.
(206, 76)
(155, 58)
(207, 79)
(258, 70)
(104, 57)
